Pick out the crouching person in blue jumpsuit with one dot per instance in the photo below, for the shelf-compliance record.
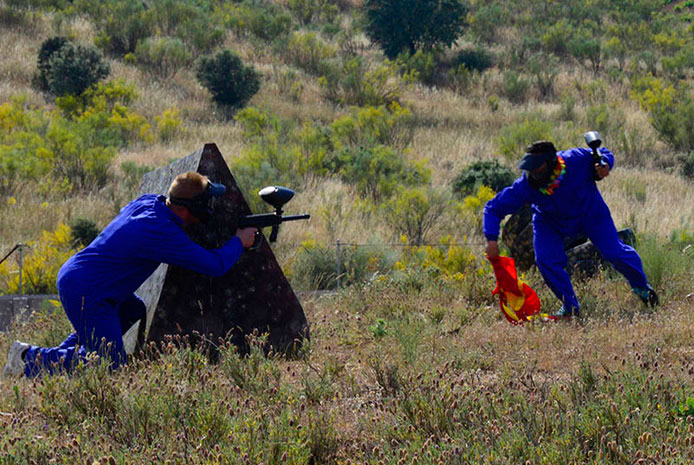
(97, 284)
(566, 202)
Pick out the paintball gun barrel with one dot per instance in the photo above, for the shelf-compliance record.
(276, 196)
(594, 142)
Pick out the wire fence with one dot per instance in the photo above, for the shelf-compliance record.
(339, 254)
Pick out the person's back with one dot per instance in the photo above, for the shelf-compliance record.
(116, 263)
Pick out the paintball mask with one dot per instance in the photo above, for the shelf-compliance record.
(200, 205)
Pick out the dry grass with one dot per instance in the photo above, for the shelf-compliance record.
(437, 334)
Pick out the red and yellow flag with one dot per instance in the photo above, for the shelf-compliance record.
(518, 301)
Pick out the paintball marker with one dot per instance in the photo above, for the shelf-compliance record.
(276, 196)
(593, 140)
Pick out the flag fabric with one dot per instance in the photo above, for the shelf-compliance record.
(518, 301)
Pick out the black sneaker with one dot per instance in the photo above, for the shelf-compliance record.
(647, 295)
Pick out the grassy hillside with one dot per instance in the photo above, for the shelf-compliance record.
(411, 362)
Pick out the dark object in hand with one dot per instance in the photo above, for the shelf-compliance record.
(276, 196)
(593, 140)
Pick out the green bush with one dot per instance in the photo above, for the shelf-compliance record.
(83, 232)
(486, 20)
(515, 86)
(543, 69)
(265, 21)
(133, 174)
(67, 69)
(488, 173)
(477, 59)
(585, 47)
(48, 48)
(162, 56)
(378, 171)
(687, 168)
(355, 82)
(363, 148)
(308, 52)
(671, 110)
(313, 11)
(422, 65)
(226, 77)
(191, 22)
(121, 24)
(411, 25)
(514, 139)
(414, 212)
(315, 265)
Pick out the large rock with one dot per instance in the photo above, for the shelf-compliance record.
(584, 260)
(253, 295)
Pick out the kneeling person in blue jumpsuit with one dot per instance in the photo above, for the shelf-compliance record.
(566, 202)
(97, 284)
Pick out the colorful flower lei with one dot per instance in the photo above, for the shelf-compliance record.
(555, 179)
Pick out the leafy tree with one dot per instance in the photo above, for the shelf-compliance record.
(68, 69)
(409, 25)
(48, 48)
(230, 81)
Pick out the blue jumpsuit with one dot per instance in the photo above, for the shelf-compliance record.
(575, 207)
(97, 284)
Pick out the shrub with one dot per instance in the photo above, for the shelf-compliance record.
(355, 82)
(543, 69)
(414, 212)
(445, 261)
(485, 21)
(66, 69)
(687, 168)
(121, 24)
(162, 56)
(268, 22)
(378, 171)
(41, 264)
(671, 110)
(313, 11)
(169, 124)
(83, 232)
(133, 174)
(586, 49)
(308, 52)
(373, 125)
(515, 86)
(191, 22)
(488, 173)
(514, 139)
(410, 25)
(422, 65)
(48, 48)
(477, 59)
(316, 265)
(226, 77)
(35, 143)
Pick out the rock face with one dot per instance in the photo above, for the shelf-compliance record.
(253, 295)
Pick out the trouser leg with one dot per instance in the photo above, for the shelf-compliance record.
(624, 258)
(130, 311)
(551, 260)
(97, 329)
